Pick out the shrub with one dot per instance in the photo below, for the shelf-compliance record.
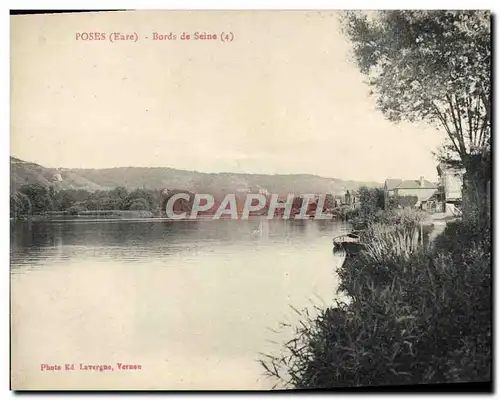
(459, 235)
(402, 201)
(20, 205)
(39, 197)
(139, 204)
(416, 315)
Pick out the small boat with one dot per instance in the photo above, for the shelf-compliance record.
(349, 243)
(348, 238)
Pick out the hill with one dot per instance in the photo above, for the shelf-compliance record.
(23, 172)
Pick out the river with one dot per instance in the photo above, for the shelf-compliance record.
(192, 302)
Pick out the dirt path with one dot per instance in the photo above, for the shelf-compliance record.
(439, 221)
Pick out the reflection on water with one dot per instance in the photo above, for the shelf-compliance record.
(194, 302)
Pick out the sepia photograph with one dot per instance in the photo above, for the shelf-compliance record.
(251, 200)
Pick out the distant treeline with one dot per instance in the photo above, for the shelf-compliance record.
(36, 199)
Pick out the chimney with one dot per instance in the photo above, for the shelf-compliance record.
(422, 182)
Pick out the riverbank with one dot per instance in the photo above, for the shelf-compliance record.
(131, 215)
(111, 214)
(423, 311)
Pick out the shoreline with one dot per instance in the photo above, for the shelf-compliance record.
(161, 219)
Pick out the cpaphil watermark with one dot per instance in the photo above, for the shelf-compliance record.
(182, 206)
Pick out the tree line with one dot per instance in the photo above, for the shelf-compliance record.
(36, 199)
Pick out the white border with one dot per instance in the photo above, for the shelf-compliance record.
(252, 5)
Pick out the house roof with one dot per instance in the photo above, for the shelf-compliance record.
(415, 184)
(392, 183)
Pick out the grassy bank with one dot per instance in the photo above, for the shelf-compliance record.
(113, 214)
(417, 313)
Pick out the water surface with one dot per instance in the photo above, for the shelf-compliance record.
(192, 302)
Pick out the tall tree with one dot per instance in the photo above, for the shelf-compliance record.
(139, 194)
(20, 205)
(371, 200)
(38, 196)
(432, 66)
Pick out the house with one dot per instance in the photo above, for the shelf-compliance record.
(450, 183)
(57, 178)
(450, 188)
(351, 198)
(421, 188)
(338, 200)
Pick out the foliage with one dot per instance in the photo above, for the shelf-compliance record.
(371, 200)
(136, 196)
(407, 217)
(460, 235)
(401, 201)
(20, 205)
(119, 192)
(398, 241)
(424, 315)
(371, 207)
(63, 200)
(91, 204)
(39, 197)
(374, 210)
(433, 66)
(139, 204)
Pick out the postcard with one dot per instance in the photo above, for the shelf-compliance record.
(250, 200)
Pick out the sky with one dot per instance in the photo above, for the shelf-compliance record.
(284, 96)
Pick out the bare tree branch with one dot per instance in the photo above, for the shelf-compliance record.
(458, 134)
(442, 118)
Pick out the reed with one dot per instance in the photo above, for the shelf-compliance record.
(416, 315)
(383, 241)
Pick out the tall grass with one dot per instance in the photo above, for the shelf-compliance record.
(390, 240)
(417, 314)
